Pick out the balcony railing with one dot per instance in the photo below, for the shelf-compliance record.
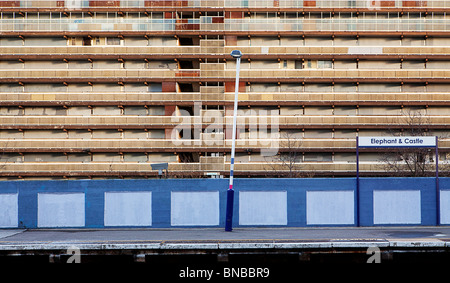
(142, 52)
(147, 98)
(150, 145)
(142, 122)
(230, 25)
(295, 75)
(362, 4)
(69, 169)
(134, 169)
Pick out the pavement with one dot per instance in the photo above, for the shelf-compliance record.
(206, 254)
(217, 238)
(176, 252)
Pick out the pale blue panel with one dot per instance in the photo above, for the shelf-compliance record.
(61, 210)
(263, 208)
(128, 209)
(330, 207)
(396, 207)
(445, 207)
(9, 210)
(194, 208)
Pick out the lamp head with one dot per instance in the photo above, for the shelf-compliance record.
(236, 54)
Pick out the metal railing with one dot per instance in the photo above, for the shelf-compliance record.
(125, 122)
(140, 52)
(230, 25)
(88, 74)
(140, 98)
(364, 4)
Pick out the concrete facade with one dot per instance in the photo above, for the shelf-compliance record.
(101, 89)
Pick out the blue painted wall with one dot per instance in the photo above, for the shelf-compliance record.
(295, 191)
(426, 186)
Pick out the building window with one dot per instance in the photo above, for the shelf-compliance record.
(87, 41)
(324, 65)
(112, 41)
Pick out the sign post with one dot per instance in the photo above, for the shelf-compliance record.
(392, 142)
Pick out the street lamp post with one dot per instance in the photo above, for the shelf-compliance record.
(230, 192)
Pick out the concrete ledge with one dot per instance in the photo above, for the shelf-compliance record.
(225, 246)
(215, 246)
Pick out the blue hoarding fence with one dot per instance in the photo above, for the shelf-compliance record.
(265, 202)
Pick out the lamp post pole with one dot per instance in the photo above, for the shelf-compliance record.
(230, 192)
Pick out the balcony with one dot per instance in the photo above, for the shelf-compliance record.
(78, 169)
(164, 145)
(162, 122)
(300, 25)
(142, 52)
(215, 74)
(245, 98)
(173, 4)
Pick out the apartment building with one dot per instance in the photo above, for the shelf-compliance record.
(104, 89)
